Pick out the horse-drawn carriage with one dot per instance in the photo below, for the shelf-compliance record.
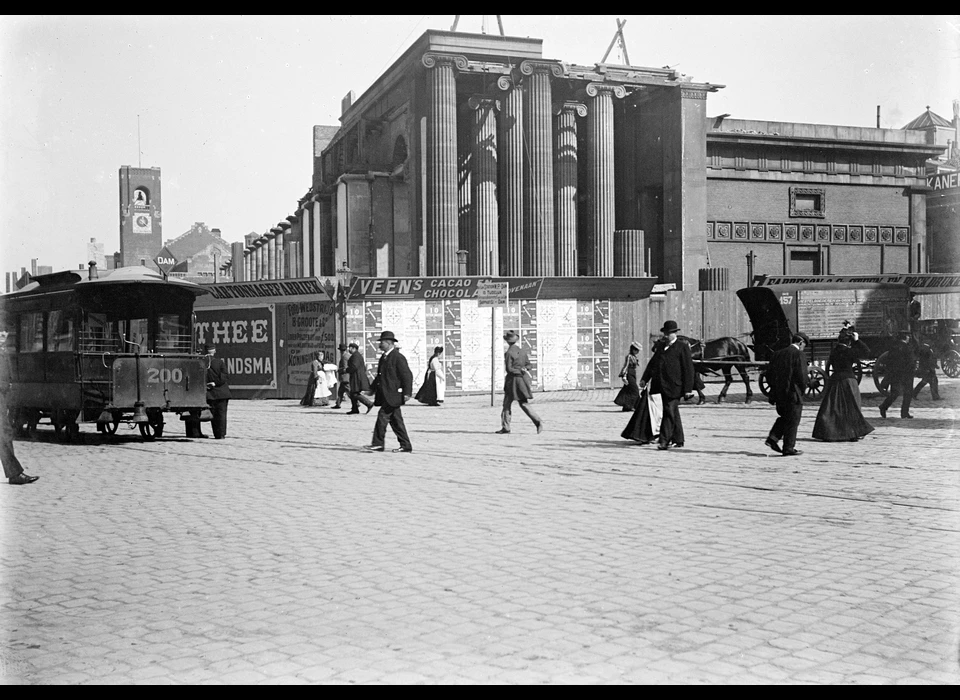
(778, 307)
(943, 337)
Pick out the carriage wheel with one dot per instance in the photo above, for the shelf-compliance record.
(880, 375)
(153, 429)
(950, 363)
(816, 381)
(146, 431)
(763, 384)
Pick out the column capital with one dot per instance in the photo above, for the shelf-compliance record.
(594, 89)
(570, 106)
(506, 82)
(478, 101)
(432, 58)
(531, 67)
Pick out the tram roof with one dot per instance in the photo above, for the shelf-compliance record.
(135, 274)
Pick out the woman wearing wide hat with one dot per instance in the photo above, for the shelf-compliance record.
(670, 373)
(630, 393)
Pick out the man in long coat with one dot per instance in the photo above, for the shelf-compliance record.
(787, 378)
(218, 391)
(901, 363)
(392, 387)
(516, 383)
(358, 383)
(671, 374)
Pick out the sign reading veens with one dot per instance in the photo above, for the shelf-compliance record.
(439, 287)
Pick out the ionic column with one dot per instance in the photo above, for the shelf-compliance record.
(441, 214)
(538, 255)
(565, 186)
(258, 259)
(510, 161)
(483, 242)
(600, 179)
(316, 239)
(247, 264)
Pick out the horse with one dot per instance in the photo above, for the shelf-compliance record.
(727, 349)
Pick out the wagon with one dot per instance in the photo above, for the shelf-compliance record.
(943, 337)
(779, 306)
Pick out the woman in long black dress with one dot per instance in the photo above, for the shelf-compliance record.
(316, 371)
(840, 418)
(434, 382)
(630, 392)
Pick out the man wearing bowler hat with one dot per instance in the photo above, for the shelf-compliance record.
(391, 389)
(670, 373)
(516, 384)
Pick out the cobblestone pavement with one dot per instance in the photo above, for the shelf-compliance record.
(283, 554)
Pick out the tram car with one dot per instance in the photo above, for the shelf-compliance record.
(778, 308)
(107, 350)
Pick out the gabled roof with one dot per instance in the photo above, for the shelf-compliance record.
(928, 119)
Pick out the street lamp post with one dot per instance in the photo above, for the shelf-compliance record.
(344, 278)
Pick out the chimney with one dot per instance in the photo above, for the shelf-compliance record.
(346, 102)
(216, 232)
(878, 116)
(92, 274)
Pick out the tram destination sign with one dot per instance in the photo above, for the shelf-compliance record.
(165, 260)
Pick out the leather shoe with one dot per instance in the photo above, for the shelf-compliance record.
(883, 412)
(22, 479)
(938, 398)
(792, 453)
(370, 408)
(404, 449)
(907, 416)
(661, 446)
(352, 412)
(677, 444)
(539, 427)
(373, 448)
(503, 432)
(335, 406)
(772, 444)
(202, 436)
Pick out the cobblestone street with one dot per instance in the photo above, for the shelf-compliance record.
(285, 554)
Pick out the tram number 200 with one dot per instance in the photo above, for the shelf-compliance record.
(156, 375)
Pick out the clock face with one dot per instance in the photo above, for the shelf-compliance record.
(142, 221)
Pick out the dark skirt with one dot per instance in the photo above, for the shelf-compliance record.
(307, 399)
(840, 418)
(639, 427)
(428, 392)
(629, 394)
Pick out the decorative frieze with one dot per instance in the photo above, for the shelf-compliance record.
(784, 232)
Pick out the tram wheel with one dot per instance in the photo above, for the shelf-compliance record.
(146, 431)
(108, 427)
(950, 363)
(816, 381)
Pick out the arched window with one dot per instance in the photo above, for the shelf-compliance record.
(141, 197)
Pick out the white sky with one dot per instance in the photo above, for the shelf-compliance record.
(227, 104)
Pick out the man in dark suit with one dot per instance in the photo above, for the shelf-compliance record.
(671, 374)
(218, 391)
(901, 363)
(787, 379)
(358, 381)
(392, 387)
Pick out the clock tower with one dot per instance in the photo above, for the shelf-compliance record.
(141, 235)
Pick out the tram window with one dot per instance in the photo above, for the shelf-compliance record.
(98, 334)
(172, 334)
(59, 331)
(137, 331)
(31, 332)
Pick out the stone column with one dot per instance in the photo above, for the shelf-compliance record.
(483, 243)
(600, 220)
(538, 249)
(317, 225)
(258, 259)
(281, 235)
(272, 253)
(247, 264)
(565, 186)
(304, 270)
(510, 161)
(441, 215)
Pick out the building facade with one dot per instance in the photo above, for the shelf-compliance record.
(141, 221)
